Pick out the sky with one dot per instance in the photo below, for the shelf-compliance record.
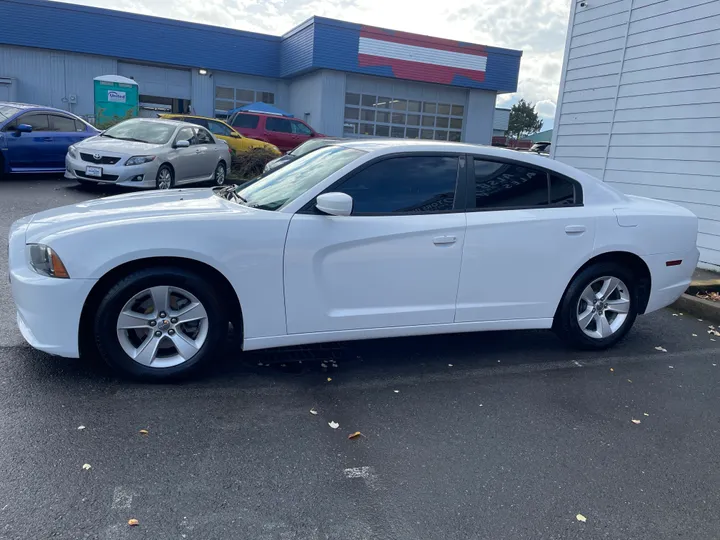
(537, 27)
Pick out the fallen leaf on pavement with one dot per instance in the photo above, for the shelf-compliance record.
(671, 367)
(629, 380)
(313, 411)
(661, 349)
(133, 522)
(450, 365)
(81, 428)
(396, 391)
(611, 369)
(580, 517)
(355, 435)
(86, 467)
(675, 314)
(635, 421)
(329, 379)
(694, 335)
(646, 414)
(333, 425)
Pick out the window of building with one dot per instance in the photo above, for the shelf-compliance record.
(227, 98)
(418, 184)
(381, 116)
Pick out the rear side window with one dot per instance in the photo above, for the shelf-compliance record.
(404, 185)
(79, 126)
(248, 121)
(280, 125)
(501, 185)
(197, 121)
(61, 123)
(300, 129)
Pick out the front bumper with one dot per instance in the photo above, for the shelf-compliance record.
(118, 174)
(48, 309)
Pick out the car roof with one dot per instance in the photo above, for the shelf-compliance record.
(169, 121)
(29, 106)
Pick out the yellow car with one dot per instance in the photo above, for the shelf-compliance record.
(237, 143)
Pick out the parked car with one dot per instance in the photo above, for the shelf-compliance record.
(365, 239)
(149, 153)
(300, 151)
(285, 133)
(540, 148)
(35, 139)
(221, 130)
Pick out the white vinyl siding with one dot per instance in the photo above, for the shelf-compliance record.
(639, 103)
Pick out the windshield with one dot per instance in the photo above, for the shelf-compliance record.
(284, 185)
(310, 146)
(6, 111)
(142, 131)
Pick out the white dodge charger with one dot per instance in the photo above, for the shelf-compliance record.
(366, 239)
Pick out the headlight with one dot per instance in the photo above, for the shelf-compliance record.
(73, 152)
(46, 262)
(139, 160)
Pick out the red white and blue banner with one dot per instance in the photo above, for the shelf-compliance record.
(430, 60)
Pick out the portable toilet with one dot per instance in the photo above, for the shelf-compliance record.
(116, 99)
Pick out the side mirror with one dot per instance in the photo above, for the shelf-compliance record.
(334, 204)
(24, 128)
(182, 144)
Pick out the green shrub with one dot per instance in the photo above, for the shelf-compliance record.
(247, 165)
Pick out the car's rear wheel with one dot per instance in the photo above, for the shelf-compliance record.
(599, 306)
(220, 175)
(160, 323)
(165, 178)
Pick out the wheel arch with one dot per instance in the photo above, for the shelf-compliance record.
(216, 278)
(633, 261)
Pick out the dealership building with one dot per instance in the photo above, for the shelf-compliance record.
(340, 77)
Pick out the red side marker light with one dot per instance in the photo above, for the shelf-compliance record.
(674, 263)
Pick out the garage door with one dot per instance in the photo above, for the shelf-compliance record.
(158, 81)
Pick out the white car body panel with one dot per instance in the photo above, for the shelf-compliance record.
(303, 278)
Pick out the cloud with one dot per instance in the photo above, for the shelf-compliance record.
(537, 27)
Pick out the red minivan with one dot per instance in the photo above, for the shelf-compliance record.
(285, 133)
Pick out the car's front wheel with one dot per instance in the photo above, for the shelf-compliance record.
(160, 323)
(165, 178)
(599, 306)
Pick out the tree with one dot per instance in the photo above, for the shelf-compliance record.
(524, 120)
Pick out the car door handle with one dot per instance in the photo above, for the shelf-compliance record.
(47, 139)
(575, 229)
(444, 240)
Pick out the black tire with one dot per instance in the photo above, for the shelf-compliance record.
(566, 323)
(217, 176)
(114, 301)
(159, 180)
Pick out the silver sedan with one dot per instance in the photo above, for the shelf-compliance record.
(149, 153)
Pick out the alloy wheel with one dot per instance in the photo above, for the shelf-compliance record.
(164, 180)
(603, 307)
(220, 175)
(162, 327)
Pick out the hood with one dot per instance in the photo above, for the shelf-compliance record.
(112, 211)
(118, 146)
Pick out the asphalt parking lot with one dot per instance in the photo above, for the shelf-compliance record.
(487, 436)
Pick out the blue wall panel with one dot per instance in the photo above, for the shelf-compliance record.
(36, 23)
(296, 51)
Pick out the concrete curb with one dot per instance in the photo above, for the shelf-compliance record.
(706, 310)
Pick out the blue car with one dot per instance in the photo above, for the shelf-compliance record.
(35, 139)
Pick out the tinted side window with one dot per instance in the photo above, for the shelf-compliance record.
(278, 124)
(186, 134)
(418, 184)
(79, 126)
(507, 185)
(197, 121)
(219, 129)
(249, 121)
(38, 121)
(564, 192)
(61, 123)
(203, 137)
(301, 129)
